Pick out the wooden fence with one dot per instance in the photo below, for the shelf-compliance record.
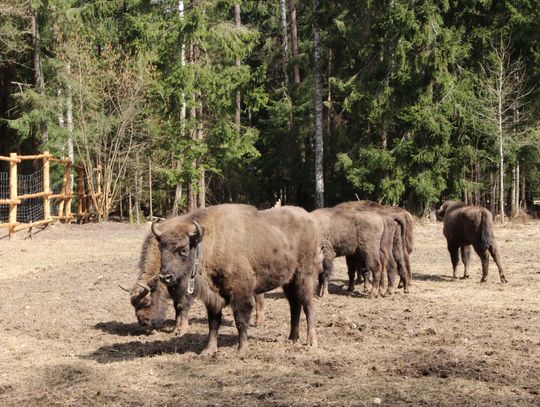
(62, 200)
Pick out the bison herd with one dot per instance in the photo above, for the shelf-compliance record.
(232, 254)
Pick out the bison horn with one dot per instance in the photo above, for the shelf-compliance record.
(124, 288)
(144, 286)
(199, 229)
(155, 231)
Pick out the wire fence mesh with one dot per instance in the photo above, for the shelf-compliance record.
(70, 202)
(30, 210)
(4, 194)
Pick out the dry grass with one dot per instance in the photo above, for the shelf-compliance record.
(69, 336)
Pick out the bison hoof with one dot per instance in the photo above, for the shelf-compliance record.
(242, 351)
(406, 290)
(504, 280)
(483, 280)
(350, 288)
(208, 352)
(465, 277)
(179, 331)
(400, 285)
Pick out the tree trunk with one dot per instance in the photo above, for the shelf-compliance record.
(39, 81)
(319, 149)
(69, 121)
(518, 207)
(238, 22)
(178, 189)
(285, 40)
(523, 203)
(513, 194)
(202, 182)
(150, 189)
(294, 42)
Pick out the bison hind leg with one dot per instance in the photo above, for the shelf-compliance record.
(291, 292)
(466, 259)
(454, 257)
(495, 254)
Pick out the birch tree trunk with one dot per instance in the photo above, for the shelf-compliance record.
(69, 122)
(285, 40)
(319, 149)
(178, 164)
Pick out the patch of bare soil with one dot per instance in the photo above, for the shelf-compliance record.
(69, 336)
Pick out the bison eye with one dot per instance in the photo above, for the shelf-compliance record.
(183, 251)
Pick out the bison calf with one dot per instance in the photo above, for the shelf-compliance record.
(465, 226)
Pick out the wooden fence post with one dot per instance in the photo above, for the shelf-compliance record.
(46, 188)
(12, 192)
(69, 191)
(80, 193)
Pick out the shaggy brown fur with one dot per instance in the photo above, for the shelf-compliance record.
(244, 252)
(358, 235)
(465, 226)
(151, 307)
(403, 241)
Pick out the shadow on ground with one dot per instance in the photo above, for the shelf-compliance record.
(190, 342)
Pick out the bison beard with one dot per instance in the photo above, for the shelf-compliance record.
(465, 226)
(243, 252)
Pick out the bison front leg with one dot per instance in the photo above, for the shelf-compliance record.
(327, 269)
(466, 259)
(182, 307)
(242, 313)
(259, 310)
(454, 257)
(352, 267)
(214, 322)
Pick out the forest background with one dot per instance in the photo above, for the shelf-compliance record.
(198, 102)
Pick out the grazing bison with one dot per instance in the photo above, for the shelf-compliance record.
(465, 226)
(228, 253)
(361, 236)
(402, 245)
(149, 296)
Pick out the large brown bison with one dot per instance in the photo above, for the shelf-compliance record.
(228, 253)
(402, 245)
(361, 236)
(465, 226)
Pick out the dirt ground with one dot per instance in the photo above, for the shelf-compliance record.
(68, 334)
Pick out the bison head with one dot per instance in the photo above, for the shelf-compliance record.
(439, 213)
(149, 301)
(177, 243)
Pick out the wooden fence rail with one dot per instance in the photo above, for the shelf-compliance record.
(63, 199)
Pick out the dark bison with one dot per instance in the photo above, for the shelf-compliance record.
(361, 236)
(228, 253)
(403, 239)
(465, 226)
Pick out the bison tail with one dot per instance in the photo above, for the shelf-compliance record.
(486, 232)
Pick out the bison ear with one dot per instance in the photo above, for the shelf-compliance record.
(196, 232)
